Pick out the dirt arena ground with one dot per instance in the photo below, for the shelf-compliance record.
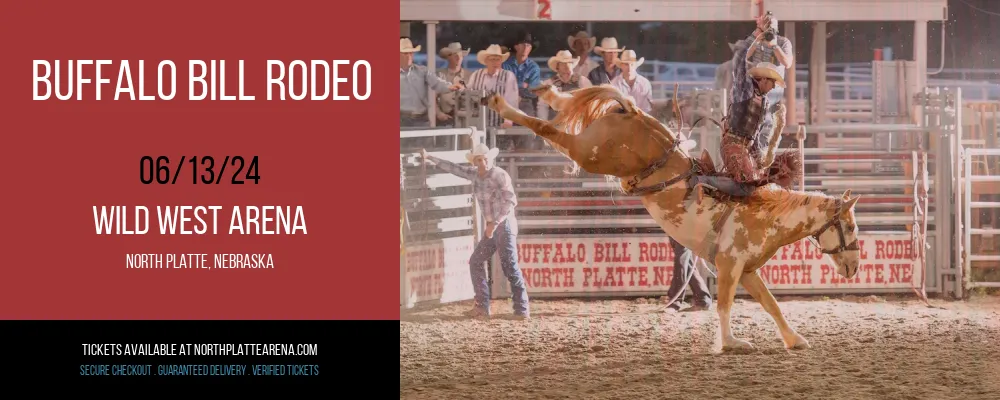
(866, 347)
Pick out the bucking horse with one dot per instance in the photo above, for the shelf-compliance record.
(603, 132)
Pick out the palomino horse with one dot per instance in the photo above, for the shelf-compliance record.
(604, 133)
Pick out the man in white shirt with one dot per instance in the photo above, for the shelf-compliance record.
(630, 83)
(495, 79)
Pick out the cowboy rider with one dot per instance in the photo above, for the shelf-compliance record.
(765, 44)
(744, 136)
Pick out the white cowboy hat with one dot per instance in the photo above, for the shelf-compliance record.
(406, 46)
(628, 57)
(767, 70)
(454, 47)
(581, 35)
(493, 50)
(608, 44)
(563, 56)
(482, 150)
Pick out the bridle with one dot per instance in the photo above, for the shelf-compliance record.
(839, 225)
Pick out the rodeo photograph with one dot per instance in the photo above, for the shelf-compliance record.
(699, 199)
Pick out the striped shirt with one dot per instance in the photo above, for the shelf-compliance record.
(494, 192)
(502, 82)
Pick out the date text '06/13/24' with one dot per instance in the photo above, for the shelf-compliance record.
(160, 171)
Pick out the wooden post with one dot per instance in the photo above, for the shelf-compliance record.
(432, 68)
(791, 117)
(817, 74)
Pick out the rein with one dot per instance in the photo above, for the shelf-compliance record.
(649, 170)
(836, 223)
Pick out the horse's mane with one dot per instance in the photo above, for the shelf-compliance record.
(779, 201)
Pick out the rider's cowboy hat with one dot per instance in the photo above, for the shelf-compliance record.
(608, 44)
(406, 46)
(582, 35)
(563, 56)
(482, 150)
(768, 70)
(628, 57)
(493, 50)
(454, 47)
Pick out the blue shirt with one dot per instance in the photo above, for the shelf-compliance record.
(528, 72)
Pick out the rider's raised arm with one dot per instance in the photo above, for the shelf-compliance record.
(742, 88)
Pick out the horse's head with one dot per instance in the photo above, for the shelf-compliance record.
(838, 237)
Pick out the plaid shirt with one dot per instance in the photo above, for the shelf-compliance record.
(495, 191)
(746, 110)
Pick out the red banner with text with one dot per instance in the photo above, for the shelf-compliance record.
(646, 264)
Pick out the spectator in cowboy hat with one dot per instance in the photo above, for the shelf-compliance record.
(563, 64)
(413, 83)
(631, 83)
(494, 79)
(581, 44)
(494, 190)
(453, 73)
(607, 69)
(528, 73)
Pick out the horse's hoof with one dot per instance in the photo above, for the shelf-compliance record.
(734, 344)
(798, 343)
(496, 103)
(800, 346)
(539, 90)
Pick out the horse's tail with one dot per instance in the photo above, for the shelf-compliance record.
(585, 106)
(591, 103)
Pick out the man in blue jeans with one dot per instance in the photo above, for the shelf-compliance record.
(492, 187)
(684, 265)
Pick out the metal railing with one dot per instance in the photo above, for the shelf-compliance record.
(981, 194)
(439, 220)
(439, 205)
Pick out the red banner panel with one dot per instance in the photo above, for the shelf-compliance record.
(198, 160)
